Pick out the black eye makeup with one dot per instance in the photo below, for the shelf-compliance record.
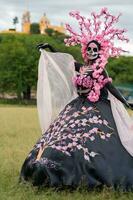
(89, 49)
(95, 50)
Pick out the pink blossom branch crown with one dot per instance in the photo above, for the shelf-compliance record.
(100, 27)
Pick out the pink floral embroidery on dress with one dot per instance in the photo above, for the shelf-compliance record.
(71, 130)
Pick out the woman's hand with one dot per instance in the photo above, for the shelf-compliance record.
(45, 46)
(85, 70)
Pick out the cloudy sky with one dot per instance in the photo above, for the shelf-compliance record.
(57, 11)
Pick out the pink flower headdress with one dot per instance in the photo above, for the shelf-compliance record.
(101, 29)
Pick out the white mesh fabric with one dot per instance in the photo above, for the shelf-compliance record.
(123, 122)
(54, 88)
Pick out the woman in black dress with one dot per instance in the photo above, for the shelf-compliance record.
(83, 144)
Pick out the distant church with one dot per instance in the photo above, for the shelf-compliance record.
(44, 23)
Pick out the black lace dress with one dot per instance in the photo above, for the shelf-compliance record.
(81, 146)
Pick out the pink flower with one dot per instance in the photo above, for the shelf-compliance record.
(69, 135)
(104, 10)
(73, 13)
(105, 122)
(64, 148)
(78, 135)
(53, 146)
(95, 117)
(93, 97)
(84, 108)
(86, 157)
(64, 137)
(84, 120)
(74, 144)
(70, 145)
(89, 108)
(77, 121)
(87, 82)
(95, 74)
(100, 78)
(95, 129)
(72, 125)
(85, 135)
(75, 139)
(92, 138)
(90, 120)
(75, 114)
(102, 137)
(108, 135)
(84, 40)
(58, 147)
(71, 121)
(79, 147)
(100, 121)
(79, 81)
(97, 87)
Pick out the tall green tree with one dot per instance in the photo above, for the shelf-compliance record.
(49, 31)
(15, 21)
(121, 69)
(12, 64)
(34, 28)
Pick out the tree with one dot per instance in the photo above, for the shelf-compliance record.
(58, 36)
(121, 70)
(19, 62)
(12, 62)
(18, 69)
(34, 28)
(49, 31)
(15, 21)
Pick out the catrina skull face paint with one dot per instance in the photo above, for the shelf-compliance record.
(93, 50)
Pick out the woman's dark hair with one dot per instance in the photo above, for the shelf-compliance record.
(97, 43)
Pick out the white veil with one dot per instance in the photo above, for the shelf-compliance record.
(123, 122)
(54, 88)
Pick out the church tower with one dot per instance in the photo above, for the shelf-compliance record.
(26, 22)
(44, 23)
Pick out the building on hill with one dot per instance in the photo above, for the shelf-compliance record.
(26, 22)
(44, 24)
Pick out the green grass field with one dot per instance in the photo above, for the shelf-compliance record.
(19, 130)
